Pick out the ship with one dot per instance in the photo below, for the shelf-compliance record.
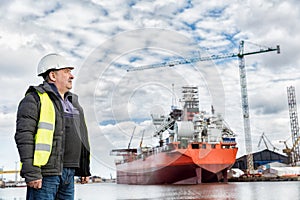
(194, 147)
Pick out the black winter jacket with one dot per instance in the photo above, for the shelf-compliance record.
(26, 127)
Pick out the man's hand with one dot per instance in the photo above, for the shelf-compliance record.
(84, 180)
(37, 184)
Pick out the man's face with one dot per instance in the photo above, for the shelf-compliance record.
(63, 80)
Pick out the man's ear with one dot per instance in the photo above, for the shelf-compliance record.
(52, 76)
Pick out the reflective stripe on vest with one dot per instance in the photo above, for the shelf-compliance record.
(45, 131)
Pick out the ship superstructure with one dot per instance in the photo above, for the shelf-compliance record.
(194, 147)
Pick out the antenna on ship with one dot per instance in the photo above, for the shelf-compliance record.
(142, 138)
(173, 98)
(212, 110)
(131, 137)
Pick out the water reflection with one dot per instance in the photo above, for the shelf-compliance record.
(219, 191)
(204, 191)
(230, 191)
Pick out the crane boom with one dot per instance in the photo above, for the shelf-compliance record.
(182, 61)
(204, 58)
(243, 83)
(131, 138)
(265, 139)
(262, 138)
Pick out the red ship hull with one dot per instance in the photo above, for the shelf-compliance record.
(194, 147)
(179, 166)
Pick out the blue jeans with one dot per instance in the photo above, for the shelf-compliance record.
(54, 187)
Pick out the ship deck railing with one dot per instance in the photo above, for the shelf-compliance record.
(131, 155)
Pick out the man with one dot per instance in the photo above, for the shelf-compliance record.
(51, 134)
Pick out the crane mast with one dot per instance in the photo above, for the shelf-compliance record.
(245, 108)
(295, 152)
(243, 83)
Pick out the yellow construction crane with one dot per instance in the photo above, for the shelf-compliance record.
(243, 83)
(293, 156)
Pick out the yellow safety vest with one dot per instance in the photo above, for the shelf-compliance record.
(45, 131)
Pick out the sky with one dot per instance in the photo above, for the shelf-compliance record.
(102, 39)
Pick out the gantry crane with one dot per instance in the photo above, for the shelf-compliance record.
(265, 139)
(243, 83)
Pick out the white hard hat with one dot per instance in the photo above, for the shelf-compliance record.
(52, 61)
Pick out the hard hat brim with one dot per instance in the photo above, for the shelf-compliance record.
(54, 69)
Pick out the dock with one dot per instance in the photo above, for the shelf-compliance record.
(265, 179)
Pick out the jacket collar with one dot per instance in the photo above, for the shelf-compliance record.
(51, 88)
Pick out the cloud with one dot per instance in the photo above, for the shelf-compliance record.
(103, 38)
(265, 105)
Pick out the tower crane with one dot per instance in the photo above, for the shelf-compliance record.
(243, 83)
(294, 152)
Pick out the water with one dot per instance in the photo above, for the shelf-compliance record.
(216, 191)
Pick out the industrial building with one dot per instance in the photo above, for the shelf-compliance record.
(261, 158)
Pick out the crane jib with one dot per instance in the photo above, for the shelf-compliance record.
(183, 61)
